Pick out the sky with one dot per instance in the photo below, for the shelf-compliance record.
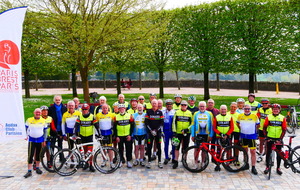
(170, 4)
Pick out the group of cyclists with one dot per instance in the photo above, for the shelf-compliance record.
(139, 127)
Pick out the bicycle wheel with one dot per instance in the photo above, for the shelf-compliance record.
(271, 163)
(235, 158)
(46, 157)
(107, 159)
(66, 162)
(195, 159)
(295, 159)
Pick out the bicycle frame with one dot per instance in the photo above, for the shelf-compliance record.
(213, 153)
(280, 152)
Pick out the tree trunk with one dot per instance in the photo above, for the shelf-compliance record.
(69, 81)
(218, 81)
(74, 84)
(36, 82)
(26, 83)
(206, 85)
(177, 79)
(140, 80)
(104, 80)
(85, 83)
(161, 84)
(256, 84)
(251, 82)
(299, 84)
(118, 83)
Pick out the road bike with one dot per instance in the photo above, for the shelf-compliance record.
(106, 159)
(233, 158)
(290, 156)
(292, 119)
(47, 154)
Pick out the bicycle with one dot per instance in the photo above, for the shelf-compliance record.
(290, 156)
(47, 154)
(195, 158)
(67, 162)
(292, 119)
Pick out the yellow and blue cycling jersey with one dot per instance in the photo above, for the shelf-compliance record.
(36, 129)
(248, 125)
(202, 124)
(68, 122)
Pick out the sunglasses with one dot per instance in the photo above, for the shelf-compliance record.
(183, 105)
(84, 109)
(246, 108)
(264, 103)
(141, 99)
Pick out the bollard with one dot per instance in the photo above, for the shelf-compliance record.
(277, 88)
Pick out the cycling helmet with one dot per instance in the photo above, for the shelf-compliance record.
(133, 99)
(276, 106)
(115, 104)
(121, 106)
(240, 100)
(177, 96)
(152, 94)
(168, 101)
(192, 98)
(175, 141)
(265, 101)
(44, 108)
(85, 106)
(183, 102)
(251, 94)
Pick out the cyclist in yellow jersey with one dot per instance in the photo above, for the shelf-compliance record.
(262, 114)
(68, 122)
(176, 105)
(152, 96)
(133, 106)
(181, 122)
(121, 100)
(236, 130)
(248, 124)
(123, 128)
(105, 120)
(254, 104)
(85, 124)
(223, 127)
(36, 129)
(274, 128)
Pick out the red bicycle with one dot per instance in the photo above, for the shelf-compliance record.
(233, 158)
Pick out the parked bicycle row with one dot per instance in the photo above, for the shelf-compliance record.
(228, 135)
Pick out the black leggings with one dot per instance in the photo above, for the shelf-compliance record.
(34, 147)
(269, 150)
(128, 146)
(158, 140)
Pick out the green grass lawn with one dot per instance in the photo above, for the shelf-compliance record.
(37, 101)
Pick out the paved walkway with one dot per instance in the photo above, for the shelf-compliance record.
(13, 163)
(222, 92)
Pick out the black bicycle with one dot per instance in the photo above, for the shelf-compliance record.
(47, 154)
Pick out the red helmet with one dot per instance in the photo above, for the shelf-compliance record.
(265, 101)
(276, 106)
(85, 106)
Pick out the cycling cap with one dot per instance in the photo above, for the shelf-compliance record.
(115, 104)
(44, 108)
(192, 98)
(177, 96)
(133, 99)
(240, 100)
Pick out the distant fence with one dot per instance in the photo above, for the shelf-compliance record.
(268, 86)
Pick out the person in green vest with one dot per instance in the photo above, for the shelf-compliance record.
(254, 104)
(176, 105)
(274, 129)
(152, 96)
